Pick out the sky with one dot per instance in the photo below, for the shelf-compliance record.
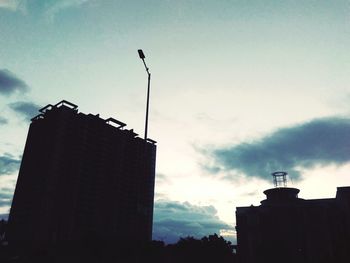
(239, 89)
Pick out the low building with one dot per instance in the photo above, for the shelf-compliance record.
(286, 228)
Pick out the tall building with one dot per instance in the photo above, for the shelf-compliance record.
(286, 228)
(82, 176)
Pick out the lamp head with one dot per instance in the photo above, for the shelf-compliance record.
(141, 55)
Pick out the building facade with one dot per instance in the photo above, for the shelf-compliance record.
(286, 228)
(82, 176)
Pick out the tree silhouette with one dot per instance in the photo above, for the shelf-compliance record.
(212, 248)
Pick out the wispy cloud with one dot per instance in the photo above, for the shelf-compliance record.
(318, 142)
(45, 8)
(26, 109)
(58, 6)
(6, 195)
(3, 121)
(173, 220)
(8, 164)
(5, 202)
(162, 179)
(13, 5)
(10, 83)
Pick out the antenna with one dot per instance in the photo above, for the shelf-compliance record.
(142, 56)
(279, 179)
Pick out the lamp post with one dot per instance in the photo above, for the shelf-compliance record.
(142, 56)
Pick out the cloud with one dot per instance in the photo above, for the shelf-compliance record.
(162, 179)
(8, 164)
(5, 202)
(26, 109)
(10, 84)
(318, 142)
(3, 121)
(13, 5)
(6, 193)
(4, 216)
(173, 220)
(45, 8)
(58, 6)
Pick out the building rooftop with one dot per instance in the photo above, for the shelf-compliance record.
(64, 104)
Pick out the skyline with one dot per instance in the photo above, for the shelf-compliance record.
(239, 90)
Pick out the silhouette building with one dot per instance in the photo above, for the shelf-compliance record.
(82, 177)
(286, 228)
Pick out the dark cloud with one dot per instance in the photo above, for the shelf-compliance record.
(318, 142)
(173, 220)
(26, 109)
(3, 120)
(5, 202)
(4, 216)
(6, 195)
(10, 83)
(8, 164)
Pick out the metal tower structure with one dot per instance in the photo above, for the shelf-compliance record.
(280, 179)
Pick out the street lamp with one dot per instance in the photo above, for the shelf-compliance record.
(142, 56)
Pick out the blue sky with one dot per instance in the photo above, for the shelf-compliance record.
(239, 89)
